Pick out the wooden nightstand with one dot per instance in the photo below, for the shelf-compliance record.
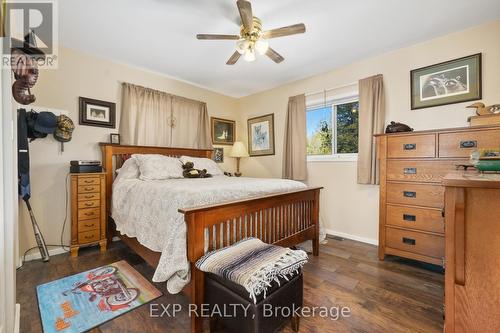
(88, 211)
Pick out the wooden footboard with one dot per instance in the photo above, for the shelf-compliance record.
(285, 219)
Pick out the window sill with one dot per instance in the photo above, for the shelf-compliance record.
(333, 158)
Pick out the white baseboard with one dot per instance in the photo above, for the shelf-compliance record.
(36, 254)
(352, 237)
(17, 319)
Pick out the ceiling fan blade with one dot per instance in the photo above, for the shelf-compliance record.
(245, 9)
(275, 56)
(217, 37)
(286, 31)
(234, 58)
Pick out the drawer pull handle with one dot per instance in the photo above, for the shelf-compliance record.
(468, 144)
(88, 181)
(409, 217)
(89, 214)
(88, 196)
(409, 241)
(89, 225)
(88, 188)
(410, 171)
(410, 146)
(88, 204)
(89, 237)
(410, 194)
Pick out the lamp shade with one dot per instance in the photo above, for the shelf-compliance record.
(238, 150)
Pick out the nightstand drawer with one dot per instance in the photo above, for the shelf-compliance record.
(89, 204)
(88, 225)
(88, 213)
(89, 189)
(88, 236)
(83, 181)
(89, 196)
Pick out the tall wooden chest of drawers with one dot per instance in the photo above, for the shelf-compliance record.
(412, 166)
(88, 211)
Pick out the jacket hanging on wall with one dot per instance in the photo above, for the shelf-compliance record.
(31, 125)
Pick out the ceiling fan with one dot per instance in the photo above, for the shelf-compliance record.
(251, 38)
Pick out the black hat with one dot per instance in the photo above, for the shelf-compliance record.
(46, 122)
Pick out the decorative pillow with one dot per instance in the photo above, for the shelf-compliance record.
(203, 163)
(129, 170)
(158, 167)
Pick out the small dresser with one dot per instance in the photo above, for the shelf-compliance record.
(412, 166)
(88, 211)
(472, 277)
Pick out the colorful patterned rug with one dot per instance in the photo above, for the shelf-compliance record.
(80, 302)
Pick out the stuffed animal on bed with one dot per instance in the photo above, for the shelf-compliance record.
(191, 172)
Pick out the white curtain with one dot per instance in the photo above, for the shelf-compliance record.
(154, 118)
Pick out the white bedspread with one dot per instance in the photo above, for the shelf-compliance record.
(147, 210)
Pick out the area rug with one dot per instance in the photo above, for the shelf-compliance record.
(80, 302)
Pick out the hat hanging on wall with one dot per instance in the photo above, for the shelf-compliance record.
(40, 124)
(64, 130)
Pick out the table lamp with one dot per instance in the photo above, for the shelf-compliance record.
(238, 151)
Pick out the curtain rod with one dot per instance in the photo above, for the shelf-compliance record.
(330, 89)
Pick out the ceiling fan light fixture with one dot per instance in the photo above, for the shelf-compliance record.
(249, 55)
(261, 46)
(242, 45)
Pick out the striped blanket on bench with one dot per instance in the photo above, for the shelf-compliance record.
(253, 264)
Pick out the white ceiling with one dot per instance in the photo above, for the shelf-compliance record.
(159, 35)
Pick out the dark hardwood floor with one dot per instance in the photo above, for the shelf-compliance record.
(395, 295)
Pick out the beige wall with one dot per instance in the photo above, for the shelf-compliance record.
(348, 208)
(83, 75)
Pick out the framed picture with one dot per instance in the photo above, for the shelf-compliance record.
(450, 82)
(114, 138)
(219, 155)
(98, 113)
(223, 131)
(261, 135)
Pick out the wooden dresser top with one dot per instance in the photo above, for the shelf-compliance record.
(442, 130)
(472, 179)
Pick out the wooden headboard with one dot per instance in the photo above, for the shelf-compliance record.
(118, 153)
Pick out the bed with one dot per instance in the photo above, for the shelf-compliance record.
(211, 213)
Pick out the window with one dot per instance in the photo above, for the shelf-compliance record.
(332, 130)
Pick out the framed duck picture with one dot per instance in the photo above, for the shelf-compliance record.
(449, 82)
(223, 131)
(261, 135)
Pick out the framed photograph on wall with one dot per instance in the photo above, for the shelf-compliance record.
(98, 113)
(450, 82)
(114, 138)
(223, 131)
(261, 135)
(219, 155)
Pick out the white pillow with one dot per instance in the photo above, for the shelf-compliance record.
(129, 170)
(203, 163)
(158, 167)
